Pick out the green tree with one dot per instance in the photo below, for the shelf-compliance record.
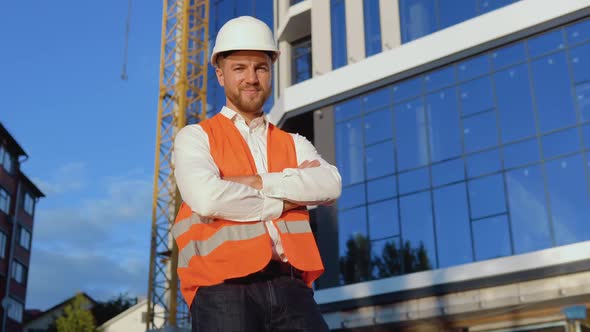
(76, 317)
(388, 264)
(355, 265)
(103, 311)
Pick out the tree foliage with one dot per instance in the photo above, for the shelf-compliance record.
(358, 264)
(76, 317)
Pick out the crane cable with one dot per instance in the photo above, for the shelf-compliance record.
(127, 28)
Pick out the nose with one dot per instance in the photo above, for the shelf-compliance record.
(251, 76)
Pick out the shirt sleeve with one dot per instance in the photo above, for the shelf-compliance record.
(308, 186)
(201, 187)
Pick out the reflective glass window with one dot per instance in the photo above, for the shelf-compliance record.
(545, 43)
(514, 103)
(447, 172)
(301, 60)
(383, 219)
(521, 153)
(377, 99)
(480, 131)
(245, 8)
(560, 143)
(372, 24)
(439, 79)
(414, 181)
(347, 109)
(486, 196)
(553, 92)
(452, 225)
(351, 223)
(508, 55)
(407, 89)
(381, 188)
(489, 5)
(418, 18)
(586, 133)
(264, 12)
(387, 256)
(476, 95)
(528, 214)
(353, 246)
(580, 60)
(352, 196)
(491, 238)
(583, 99)
(410, 126)
(578, 32)
(483, 163)
(380, 159)
(349, 151)
(418, 232)
(569, 199)
(452, 12)
(4, 201)
(444, 127)
(378, 126)
(473, 67)
(338, 30)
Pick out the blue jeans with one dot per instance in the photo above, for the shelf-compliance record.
(282, 303)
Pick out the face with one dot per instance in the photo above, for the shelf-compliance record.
(246, 77)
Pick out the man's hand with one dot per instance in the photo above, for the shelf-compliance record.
(309, 164)
(254, 181)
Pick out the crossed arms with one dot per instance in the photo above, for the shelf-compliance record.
(246, 198)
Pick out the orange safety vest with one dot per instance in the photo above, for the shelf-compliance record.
(210, 251)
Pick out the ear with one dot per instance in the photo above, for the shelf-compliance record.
(220, 77)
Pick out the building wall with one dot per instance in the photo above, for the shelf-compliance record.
(17, 185)
(130, 320)
(463, 146)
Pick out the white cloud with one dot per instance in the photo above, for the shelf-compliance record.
(56, 276)
(100, 246)
(68, 177)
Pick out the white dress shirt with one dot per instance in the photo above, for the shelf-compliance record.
(201, 187)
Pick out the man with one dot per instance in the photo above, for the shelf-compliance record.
(247, 256)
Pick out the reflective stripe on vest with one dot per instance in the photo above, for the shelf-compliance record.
(294, 227)
(184, 225)
(230, 233)
(227, 233)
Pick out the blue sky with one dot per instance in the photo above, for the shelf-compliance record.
(90, 137)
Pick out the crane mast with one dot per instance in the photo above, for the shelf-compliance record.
(182, 101)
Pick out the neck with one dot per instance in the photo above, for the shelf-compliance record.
(247, 116)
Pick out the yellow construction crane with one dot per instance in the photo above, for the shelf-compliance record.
(182, 101)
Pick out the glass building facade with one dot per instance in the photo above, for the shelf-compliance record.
(422, 17)
(301, 60)
(221, 11)
(482, 158)
(338, 30)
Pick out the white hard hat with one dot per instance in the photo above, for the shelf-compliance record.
(244, 33)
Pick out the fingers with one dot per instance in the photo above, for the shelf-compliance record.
(308, 164)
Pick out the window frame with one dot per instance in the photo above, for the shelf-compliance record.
(300, 43)
(22, 228)
(19, 272)
(29, 208)
(5, 195)
(10, 312)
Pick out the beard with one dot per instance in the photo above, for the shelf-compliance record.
(248, 104)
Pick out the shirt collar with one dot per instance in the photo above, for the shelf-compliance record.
(234, 116)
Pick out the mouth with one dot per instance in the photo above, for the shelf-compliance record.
(251, 92)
